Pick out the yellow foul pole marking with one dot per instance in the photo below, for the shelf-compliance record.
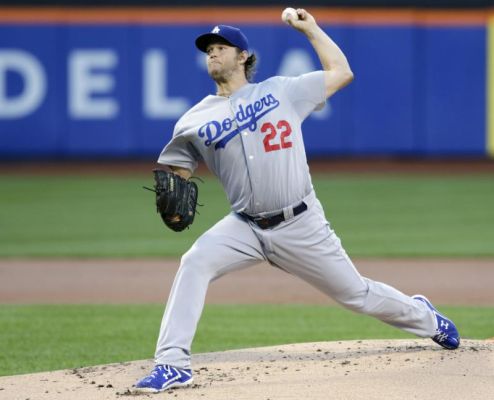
(490, 86)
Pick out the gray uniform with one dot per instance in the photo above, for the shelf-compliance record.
(252, 141)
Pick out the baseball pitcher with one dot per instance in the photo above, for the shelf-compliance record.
(249, 135)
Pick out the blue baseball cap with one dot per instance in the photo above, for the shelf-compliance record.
(226, 33)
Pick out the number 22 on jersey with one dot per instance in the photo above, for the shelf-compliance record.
(276, 137)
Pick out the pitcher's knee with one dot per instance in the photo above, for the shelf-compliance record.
(196, 264)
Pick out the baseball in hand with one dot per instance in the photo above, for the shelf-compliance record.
(289, 12)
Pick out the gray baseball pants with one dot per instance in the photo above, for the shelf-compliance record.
(304, 246)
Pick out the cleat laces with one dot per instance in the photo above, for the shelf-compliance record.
(167, 371)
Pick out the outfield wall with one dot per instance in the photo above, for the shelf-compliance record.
(105, 82)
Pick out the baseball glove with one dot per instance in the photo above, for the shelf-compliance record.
(176, 199)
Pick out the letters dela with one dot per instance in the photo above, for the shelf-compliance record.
(92, 87)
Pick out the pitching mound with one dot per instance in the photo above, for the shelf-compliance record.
(377, 369)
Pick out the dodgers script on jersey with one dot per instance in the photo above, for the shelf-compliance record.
(257, 128)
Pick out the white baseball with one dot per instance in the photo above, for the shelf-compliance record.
(289, 12)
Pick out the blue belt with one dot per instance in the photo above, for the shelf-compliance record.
(273, 220)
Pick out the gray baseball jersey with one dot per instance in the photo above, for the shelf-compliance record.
(258, 128)
(253, 142)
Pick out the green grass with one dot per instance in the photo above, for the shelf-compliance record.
(42, 337)
(374, 215)
(91, 217)
(412, 216)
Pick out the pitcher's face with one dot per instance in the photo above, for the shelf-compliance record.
(223, 61)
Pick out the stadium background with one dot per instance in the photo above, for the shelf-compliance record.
(111, 82)
(89, 95)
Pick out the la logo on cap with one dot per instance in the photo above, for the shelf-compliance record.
(216, 29)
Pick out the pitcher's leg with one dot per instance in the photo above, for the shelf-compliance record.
(315, 254)
(229, 245)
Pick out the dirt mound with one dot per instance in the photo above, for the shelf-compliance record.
(376, 369)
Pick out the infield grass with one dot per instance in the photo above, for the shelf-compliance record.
(374, 215)
(49, 337)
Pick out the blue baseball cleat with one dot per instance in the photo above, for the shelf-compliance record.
(446, 335)
(164, 377)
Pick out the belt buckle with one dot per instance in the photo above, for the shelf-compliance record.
(262, 222)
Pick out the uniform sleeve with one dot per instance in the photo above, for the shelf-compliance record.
(306, 92)
(179, 152)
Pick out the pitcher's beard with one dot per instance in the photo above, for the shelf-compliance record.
(220, 76)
